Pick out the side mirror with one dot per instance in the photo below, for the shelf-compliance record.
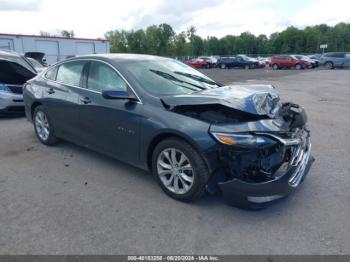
(114, 94)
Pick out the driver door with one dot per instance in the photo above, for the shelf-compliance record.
(111, 126)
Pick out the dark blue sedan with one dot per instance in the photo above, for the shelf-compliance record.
(159, 114)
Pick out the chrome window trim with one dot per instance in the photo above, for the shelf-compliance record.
(79, 87)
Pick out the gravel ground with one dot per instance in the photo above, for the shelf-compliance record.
(68, 200)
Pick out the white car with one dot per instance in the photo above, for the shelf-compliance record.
(15, 70)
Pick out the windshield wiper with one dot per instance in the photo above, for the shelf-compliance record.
(173, 78)
(198, 78)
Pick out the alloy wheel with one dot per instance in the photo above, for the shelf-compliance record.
(175, 171)
(42, 125)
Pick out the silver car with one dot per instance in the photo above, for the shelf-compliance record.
(335, 60)
(15, 70)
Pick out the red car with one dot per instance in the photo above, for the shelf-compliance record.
(198, 63)
(288, 61)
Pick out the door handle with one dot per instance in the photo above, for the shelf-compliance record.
(85, 100)
(50, 90)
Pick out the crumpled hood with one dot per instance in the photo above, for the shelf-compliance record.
(254, 99)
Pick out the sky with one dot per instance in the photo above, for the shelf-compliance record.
(218, 18)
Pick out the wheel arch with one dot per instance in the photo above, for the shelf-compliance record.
(171, 134)
(33, 106)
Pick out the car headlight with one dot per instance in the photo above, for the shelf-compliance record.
(4, 88)
(243, 140)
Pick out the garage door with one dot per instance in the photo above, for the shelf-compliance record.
(82, 48)
(50, 48)
(6, 44)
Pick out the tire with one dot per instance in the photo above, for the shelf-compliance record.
(185, 191)
(329, 65)
(246, 67)
(223, 66)
(43, 127)
(298, 66)
(275, 67)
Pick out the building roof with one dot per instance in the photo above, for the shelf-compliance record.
(55, 37)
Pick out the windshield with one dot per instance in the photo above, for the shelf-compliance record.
(247, 58)
(165, 77)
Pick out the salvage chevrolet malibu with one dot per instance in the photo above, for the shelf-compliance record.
(193, 133)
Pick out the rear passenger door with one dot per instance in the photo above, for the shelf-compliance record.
(347, 60)
(61, 98)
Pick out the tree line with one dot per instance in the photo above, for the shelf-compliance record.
(163, 40)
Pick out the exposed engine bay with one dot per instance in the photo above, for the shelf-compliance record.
(216, 113)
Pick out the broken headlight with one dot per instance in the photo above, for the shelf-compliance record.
(243, 140)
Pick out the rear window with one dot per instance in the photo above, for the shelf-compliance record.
(51, 73)
(70, 73)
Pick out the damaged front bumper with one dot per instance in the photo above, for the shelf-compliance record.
(287, 178)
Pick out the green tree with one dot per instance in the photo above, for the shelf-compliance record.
(162, 40)
(67, 33)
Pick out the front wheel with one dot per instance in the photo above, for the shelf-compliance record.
(297, 66)
(223, 66)
(179, 169)
(329, 65)
(43, 128)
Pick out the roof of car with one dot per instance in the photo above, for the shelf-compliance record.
(125, 57)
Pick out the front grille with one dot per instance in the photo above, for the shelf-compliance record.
(16, 89)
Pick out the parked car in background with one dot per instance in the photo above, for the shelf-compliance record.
(191, 132)
(315, 56)
(15, 70)
(210, 59)
(237, 61)
(38, 56)
(255, 62)
(265, 60)
(335, 60)
(198, 63)
(288, 61)
(38, 67)
(314, 63)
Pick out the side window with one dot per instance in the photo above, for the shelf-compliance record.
(103, 77)
(70, 73)
(51, 73)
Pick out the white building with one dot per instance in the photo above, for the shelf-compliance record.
(55, 48)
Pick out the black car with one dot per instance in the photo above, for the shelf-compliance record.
(238, 62)
(159, 114)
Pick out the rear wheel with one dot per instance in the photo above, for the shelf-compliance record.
(246, 67)
(43, 128)
(179, 169)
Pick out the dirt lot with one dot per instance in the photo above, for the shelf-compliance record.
(68, 200)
